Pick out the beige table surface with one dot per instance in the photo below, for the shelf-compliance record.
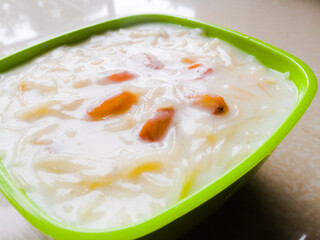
(282, 201)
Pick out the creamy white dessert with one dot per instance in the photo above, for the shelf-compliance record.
(115, 129)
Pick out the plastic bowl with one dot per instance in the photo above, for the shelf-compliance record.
(178, 218)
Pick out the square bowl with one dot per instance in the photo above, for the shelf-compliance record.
(173, 221)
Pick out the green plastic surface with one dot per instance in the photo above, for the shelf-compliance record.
(270, 56)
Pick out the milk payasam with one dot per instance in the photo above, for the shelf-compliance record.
(115, 129)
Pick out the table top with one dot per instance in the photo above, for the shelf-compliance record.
(282, 200)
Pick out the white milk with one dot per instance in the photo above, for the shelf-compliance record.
(99, 173)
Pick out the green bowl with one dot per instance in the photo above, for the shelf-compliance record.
(173, 221)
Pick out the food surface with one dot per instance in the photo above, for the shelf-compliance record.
(115, 129)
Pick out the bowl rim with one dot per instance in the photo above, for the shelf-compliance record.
(49, 226)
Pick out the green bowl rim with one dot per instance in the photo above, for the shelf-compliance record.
(52, 227)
